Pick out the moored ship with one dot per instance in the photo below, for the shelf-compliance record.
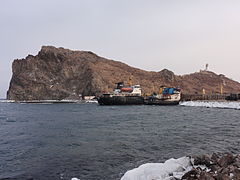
(166, 96)
(121, 95)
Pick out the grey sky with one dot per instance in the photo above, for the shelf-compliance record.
(180, 35)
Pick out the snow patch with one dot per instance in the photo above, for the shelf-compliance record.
(172, 168)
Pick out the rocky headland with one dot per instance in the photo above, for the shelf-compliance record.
(58, 73)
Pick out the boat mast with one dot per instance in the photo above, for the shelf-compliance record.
(130, 80)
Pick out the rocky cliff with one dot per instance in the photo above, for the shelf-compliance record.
(58, 73)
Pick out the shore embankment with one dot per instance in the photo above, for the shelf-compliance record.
(203, 97)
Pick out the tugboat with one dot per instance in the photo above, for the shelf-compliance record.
(166, 96)
(121, 95)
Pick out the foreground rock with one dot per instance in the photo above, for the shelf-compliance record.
(58, 73)
(215, 167)
(202, 167)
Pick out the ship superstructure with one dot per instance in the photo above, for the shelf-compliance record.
(166, 96)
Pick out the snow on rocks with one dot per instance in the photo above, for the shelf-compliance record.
(201, 167)
(170, 169)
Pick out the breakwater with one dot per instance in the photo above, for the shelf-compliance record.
(202, 97)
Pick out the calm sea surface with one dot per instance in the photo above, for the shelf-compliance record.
(91, 142)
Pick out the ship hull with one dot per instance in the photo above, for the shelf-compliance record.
(160, 102)
(121, 100)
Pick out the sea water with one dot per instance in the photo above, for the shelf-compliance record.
(91, 142)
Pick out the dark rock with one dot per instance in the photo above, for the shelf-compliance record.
(224, 171)
(205, 176)
(236, 171)
(226, 160)
(222, 177)
(221, 167)
(231, 168)
(191, 175)
(202, 160)
(214, 158)
(236, 174)
(237, 161)
(214, 167)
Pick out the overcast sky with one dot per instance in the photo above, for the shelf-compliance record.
(180, 35)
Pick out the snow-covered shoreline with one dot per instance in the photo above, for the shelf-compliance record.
(209, 104)
(212, 104)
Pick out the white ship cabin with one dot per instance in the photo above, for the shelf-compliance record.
(129, 91)
(137, 90)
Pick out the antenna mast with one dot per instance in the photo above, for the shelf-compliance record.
(206, 67)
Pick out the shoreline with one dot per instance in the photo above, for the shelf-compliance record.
(49, 101)
(79, 101)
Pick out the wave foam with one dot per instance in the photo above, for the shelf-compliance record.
(212, 104)
(172, 168)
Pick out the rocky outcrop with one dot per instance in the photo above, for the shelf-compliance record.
(58, 73)
(214, 167)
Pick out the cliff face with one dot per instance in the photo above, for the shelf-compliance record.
(58, 73)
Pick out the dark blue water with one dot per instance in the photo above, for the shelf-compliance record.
(91, 142)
